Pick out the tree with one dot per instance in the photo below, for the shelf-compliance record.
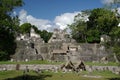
(115, 41)
(78, 28)
(101, 21)
(45, 35)
(7, 27)
(93, 36)
(79, 31)
(25, 28)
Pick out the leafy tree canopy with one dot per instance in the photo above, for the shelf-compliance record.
(78, 28)
(25, 28)
(101, 21)
(45, 35)
(7, 27)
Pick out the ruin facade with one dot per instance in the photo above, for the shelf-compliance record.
(60, 47)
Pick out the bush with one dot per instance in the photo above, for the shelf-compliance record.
(3, 55)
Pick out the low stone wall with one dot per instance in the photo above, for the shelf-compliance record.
(7, 67)
(114, 69)
(30, 67)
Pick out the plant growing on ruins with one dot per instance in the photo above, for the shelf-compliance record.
(25, 28)
(45, 35)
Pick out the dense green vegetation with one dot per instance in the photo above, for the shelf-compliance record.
(18, 75)
(8, 23)
(25, 28)
(45, 35)
(101, 21)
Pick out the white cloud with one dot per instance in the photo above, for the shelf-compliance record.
(59, 22)
(68, 18)
(108, 2)
(63, 20)
(22, 16)
(40, 23)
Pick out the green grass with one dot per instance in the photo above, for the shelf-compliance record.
(18, 75)
(30, 62)
(47, 62)
(102, 64)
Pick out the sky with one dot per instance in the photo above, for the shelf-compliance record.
(50, 14)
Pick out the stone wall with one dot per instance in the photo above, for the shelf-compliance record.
(30, 67)
(114, 69)
(84, 51)
(93, 52)
(34, 48)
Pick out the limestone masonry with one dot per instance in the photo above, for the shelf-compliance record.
(60, 47)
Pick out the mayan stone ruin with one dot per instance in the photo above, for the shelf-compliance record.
(60, 47)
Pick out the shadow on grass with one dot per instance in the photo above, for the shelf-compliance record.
(114, 78)
(29, 77)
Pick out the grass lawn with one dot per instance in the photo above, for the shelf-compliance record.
(47, 62)
(18, 75)
(30, 62)
(102, 64)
